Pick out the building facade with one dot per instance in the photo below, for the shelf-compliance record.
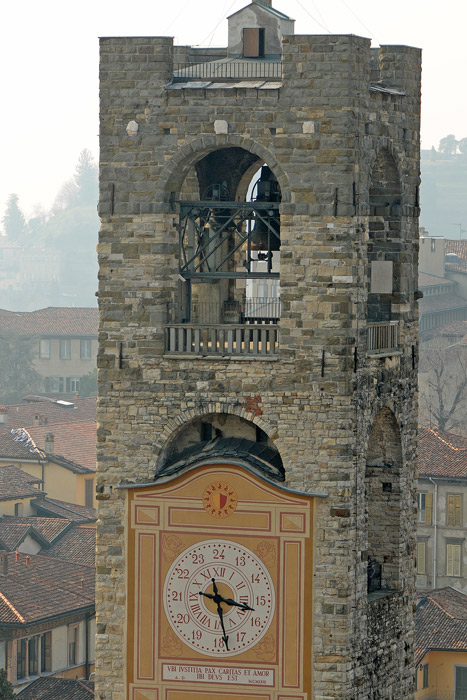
(302, 150)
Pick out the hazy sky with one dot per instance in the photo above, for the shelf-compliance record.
(49, 59)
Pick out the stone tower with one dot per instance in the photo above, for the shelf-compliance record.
(258, 306)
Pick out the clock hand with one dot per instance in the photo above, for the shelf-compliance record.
(221, 615)
(208, 595)
(229, 601)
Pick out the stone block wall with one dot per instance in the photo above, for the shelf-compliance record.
(320, 133)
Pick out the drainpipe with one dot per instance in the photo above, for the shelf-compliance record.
(435, 525)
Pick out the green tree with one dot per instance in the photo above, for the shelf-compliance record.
(448, 144)
(14, 224)
(88, 384)
(463, 146)
(86, 179)
(6, 689)
(17, 374)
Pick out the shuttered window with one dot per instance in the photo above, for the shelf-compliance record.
(454, 509)
(253, 42)
(425, 502)
(453, 560)
(421, 557)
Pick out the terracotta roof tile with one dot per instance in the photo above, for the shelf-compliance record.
(74, 441)
(62, 509)
(36, 588)
(16, 483)
(48, 528)
(41, 410)
(441, 454)
(50, 688)
(18, 445)
(13, 534)
(426, 280)
(78, 544)
(53, 321)
(441, 622)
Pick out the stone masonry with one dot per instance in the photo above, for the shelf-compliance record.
(339, 111)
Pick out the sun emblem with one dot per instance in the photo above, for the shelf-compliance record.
(219, 499)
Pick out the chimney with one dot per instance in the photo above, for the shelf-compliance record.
(49, 443)
(3, 414)
(28, 559)
(264, 2)
(36, 419)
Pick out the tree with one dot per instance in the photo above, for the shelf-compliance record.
(88, 384)
(17, 374)
(14, 224)
(443, 385)
(448, 144)
(463, 146)
(86, 179)
(6, 689)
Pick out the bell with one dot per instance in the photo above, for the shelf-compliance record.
(265, 234)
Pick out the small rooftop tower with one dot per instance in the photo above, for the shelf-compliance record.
(256, 31)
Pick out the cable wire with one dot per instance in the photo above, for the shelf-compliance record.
(371, 34)
(313, 18)
(213, 31)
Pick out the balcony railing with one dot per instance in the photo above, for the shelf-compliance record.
(383, 337)
(228, 70)
(252, 310)
(261, 340)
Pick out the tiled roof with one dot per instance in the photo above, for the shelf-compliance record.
(78, 544)
(36, 588)
(426, 280)
(41, 410)
(62, 509)
(13, 446)
(441, 302)
(73, 441)
(16, 483)
(441, 454)
(48, 528)
(441, 622)
(50, 688)
(458, 328)
(52, 321)
(13, 534)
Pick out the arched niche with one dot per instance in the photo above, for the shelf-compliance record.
(217, 436)
(383, 502)
(384, 246)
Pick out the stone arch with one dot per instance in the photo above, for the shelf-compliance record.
(175, 427)
(173, 175)
(383, 501)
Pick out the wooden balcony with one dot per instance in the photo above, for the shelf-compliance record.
(237, 340)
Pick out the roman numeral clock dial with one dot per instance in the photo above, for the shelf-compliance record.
(219, 598)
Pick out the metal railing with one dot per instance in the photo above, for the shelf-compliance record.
(254, 310)
(228, 70)
(383, 337)
(223, 340)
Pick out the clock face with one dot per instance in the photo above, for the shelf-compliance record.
(219, 598)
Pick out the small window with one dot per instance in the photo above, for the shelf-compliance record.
(46, 652)
(424, 507)
(21, 653)
(73, 645)
(65, 348)
(421, 557)
(89, 493)
(85, 349)
(32, 656)
(461, 682)
(54, 385)
(454, 509)
(425, 676)
(72, 384)
(453, 560)
(44, 348)
(19, 509)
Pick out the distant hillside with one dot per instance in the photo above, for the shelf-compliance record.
(443, 193)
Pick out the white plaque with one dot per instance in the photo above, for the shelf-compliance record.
(218, 674)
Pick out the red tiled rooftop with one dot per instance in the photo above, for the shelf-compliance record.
(441, 622)
(16, 483)
(41, 410)
(441, 453)
(426, 280)
(441, 302)
(74, 441)
(36, 588)
(62, 509)
(78, 544)
(18, 445)
(13, 534)
(48, 528)
(52, 321)
(50, 688)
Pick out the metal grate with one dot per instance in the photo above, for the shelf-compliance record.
(228, 70)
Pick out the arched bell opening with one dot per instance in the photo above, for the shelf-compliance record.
(229, 242)
(383, 503)
(221, 437)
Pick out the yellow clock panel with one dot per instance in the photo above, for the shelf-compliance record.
(219, 588)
